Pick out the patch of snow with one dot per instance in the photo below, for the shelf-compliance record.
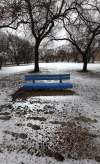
(85, 103)
(23, 158)
(52, 67)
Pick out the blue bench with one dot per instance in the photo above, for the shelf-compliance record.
(43, 86)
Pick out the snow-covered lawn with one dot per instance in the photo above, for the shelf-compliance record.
(51, 129)
(49, 67)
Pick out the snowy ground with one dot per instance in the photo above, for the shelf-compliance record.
(51, 129)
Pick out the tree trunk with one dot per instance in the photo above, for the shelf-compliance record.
(93, 58)
(36, 67)
(85, 62)
(1, 59)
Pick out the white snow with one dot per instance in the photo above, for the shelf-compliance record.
(85, 103)
(55, 67)
(14, 158)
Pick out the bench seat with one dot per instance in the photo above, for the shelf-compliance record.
(40, 86)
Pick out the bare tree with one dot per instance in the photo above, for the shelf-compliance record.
(18, 50)
(41, 16)
(82, 26)
(9, 15)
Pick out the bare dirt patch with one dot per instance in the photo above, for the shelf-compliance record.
(62, 123)
(85, 119)
(23, 94)
(20, 124)
(37, 118)
(74, 141)
(17, 135)
(35, 127)
(68, 141)
(4, 113)
(5, 118)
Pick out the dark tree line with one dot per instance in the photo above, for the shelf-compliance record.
(15, 50)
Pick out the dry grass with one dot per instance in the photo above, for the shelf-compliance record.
(68, 141)
(73, 141)
(85, 119)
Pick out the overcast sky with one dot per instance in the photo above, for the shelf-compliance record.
(24, 33)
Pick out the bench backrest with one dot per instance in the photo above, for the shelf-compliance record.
(48, 77)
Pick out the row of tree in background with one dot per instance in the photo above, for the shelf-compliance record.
(15, 51)
(80, 19)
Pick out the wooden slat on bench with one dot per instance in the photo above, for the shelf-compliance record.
(35, 86)
(48, 77)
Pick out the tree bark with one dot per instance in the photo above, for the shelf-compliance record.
(36, 66)
(85, 62)
(1, 62)
(93, 58)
